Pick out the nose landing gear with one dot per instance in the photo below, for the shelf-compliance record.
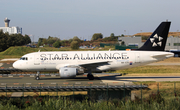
(37, 75)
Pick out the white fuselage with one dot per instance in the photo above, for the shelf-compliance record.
(114, 60)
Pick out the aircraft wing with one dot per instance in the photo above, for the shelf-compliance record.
(88, 64)
(94, 64)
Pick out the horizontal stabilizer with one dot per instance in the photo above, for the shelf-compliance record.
(163, 56)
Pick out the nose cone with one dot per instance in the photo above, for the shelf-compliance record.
(16, 65)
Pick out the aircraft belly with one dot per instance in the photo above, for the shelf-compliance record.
(119, 65)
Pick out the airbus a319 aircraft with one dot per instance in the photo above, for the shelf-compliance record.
(72, 63)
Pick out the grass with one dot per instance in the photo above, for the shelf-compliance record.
(55, 93)
(171, 60)
(169, 70)
(155, 101)
(168, 90)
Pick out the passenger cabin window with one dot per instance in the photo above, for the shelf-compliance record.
(24, 58)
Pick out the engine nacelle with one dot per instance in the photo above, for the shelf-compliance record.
(67, 72)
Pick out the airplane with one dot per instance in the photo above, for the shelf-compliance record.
(72, 63)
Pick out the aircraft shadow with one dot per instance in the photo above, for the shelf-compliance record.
(113, 77)
(153, 77)
(125, 78)
(71, 79)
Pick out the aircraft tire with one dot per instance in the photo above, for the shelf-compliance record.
(90, 77)
(37, 78)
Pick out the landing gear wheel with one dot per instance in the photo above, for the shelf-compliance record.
(90, 77)
(37, 78)
(37, 75)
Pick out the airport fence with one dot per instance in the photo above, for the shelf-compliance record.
(141, 92)
(147, 96)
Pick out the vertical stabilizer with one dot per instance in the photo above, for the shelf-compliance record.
(157, 41)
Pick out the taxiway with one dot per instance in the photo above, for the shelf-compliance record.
(81, 80)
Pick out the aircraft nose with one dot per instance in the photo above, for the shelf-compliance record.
(15, 65)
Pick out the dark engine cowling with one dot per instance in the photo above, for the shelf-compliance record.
(67, 72)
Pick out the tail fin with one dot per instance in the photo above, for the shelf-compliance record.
(157, 41)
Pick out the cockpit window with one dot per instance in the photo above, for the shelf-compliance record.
(23, 58)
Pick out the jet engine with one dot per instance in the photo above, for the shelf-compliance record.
(68, 72)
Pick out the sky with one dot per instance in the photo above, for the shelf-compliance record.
(68, 18)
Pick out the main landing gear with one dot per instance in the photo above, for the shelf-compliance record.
(90, 75)
(37, 75)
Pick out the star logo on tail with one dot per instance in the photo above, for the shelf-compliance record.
(156, 40)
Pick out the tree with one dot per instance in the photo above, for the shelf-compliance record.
(27, 39)
(65, 42)
(52, 40)
(97, 36)
(19, 39)
(75, 38)
(70, 40)
(74, 45)
(57, 44)
(44, 41)
(3, 41)
(40, 42)
(122, 35)
(11, 41)
(7, 40)
(112, 35)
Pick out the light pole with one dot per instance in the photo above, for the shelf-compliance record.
(178, 39)
(124, 33)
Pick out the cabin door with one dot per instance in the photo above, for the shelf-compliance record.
(37, 60)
